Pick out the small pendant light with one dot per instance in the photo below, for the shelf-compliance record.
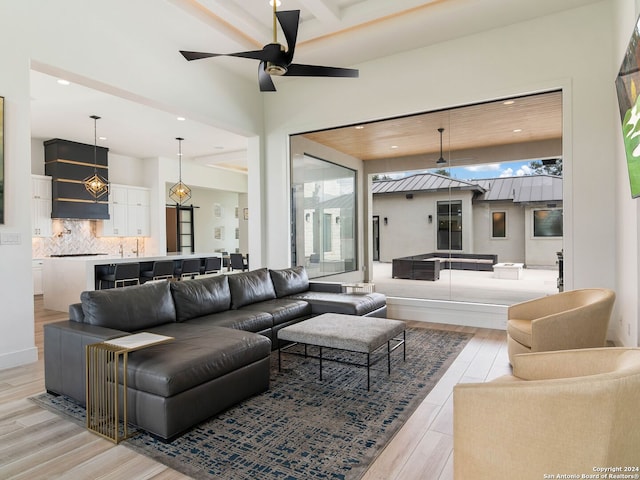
(180, 193)
(441, 160)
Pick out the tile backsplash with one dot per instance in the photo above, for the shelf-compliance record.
(79, 236)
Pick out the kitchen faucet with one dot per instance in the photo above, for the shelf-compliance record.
(137, 250)
(121, 251)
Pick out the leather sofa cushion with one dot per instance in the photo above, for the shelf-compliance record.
(200, 296)
(198, 354)
(239, 319)
(282, 309)
(129, 308)
(348, 304)
(520, 331)
(250, 287)
(289, 281)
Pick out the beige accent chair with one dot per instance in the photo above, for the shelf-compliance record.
(562, 412)
(564, 321)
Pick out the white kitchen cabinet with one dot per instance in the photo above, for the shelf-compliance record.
(128, 212)
(41, 225)
(37, 277)
(138, 212)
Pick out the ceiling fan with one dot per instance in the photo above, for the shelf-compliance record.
(275, 59)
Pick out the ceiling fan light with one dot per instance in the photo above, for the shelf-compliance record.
(273, 69)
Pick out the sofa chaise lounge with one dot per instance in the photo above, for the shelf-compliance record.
(223, 327)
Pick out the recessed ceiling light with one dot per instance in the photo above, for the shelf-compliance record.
(181, 119)
(62, 81)
(102, 138)
(394, 146)
(508, 102)
(359, 127)
(517, 130)
(278, 3)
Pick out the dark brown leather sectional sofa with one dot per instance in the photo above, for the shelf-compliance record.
(224, 327)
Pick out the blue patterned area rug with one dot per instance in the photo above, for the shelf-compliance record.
(304, 428)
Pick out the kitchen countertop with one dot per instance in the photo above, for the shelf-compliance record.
(65, 278)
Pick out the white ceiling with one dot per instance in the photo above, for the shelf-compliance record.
(340, 33)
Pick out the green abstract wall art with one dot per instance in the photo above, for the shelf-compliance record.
(627, 85)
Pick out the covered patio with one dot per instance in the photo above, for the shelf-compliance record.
(469, 286)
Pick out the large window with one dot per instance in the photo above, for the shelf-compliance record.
(324, 216)
(547, 223)
(450, 225)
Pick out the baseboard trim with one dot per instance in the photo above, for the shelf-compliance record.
(449, 312)
(20, 357)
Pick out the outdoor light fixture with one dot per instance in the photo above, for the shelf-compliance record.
(96, 185)
(430, 218)
(441, 160)
(180, 193)
(385, 220)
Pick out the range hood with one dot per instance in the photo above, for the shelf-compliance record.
(68, 164)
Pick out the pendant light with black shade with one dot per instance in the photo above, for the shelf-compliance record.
(441, 160)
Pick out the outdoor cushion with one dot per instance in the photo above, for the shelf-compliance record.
(250, 287)
(290, 281)
(129, 308)
(201, 296)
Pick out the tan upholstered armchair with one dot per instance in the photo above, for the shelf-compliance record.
(564, 321)
(562, 412)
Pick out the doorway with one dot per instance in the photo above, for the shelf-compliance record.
(180, 228)
(376, 238)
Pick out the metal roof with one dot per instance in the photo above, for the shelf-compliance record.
(528, 188)
(422, 182)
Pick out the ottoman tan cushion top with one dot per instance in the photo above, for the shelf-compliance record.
(345, 332)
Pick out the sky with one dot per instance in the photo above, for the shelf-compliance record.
(490, 170)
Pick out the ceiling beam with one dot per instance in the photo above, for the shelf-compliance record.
(324, 11)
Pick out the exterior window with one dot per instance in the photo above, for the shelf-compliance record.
(498, 224)
(323, 203)
(450, 225)
(547, 223)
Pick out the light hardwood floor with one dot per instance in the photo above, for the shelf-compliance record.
(36, 444)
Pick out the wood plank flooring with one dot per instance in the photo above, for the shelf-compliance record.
(36, 444)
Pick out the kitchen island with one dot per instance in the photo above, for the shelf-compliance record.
(65, 278)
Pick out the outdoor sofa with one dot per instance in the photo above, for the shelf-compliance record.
(224, 328)
(427, 266)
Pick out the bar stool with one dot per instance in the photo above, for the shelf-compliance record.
(211, 265)
(237, 262)
(123, 274)
(161, 269)
(189, 267)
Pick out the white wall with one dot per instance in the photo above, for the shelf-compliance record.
(571, 50)
(625, 325)
(96, 44)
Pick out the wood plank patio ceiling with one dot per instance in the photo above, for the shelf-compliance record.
(518, 120)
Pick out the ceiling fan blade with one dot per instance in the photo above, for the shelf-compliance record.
(264, 79)
(300, 70)
(289, 21)
(197, 55)
(254, 54)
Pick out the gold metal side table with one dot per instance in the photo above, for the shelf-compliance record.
(103, 382)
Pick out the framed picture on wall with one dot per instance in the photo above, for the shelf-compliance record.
(627, 89)
(1, 160)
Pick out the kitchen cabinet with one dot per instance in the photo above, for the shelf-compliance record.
(129, 212)
(37, 277)
(41, 225)
(138, 212)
